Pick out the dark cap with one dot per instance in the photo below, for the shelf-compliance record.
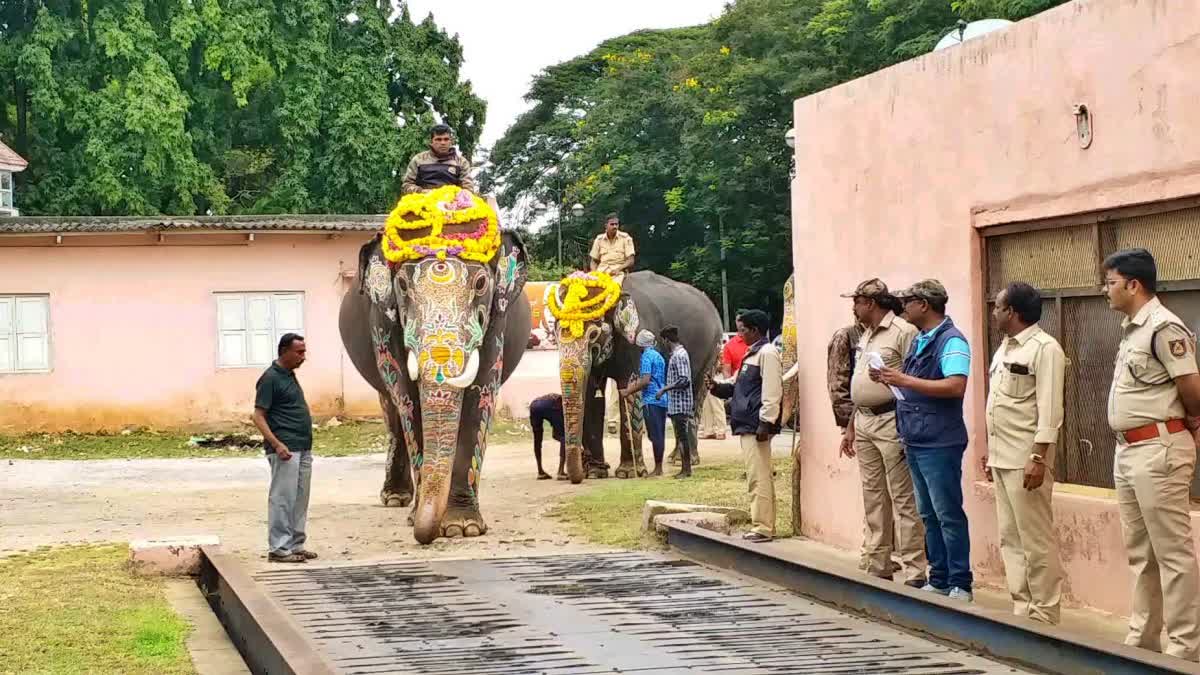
(871, 288)
(929, 289)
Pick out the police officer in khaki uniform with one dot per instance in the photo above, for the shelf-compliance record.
(892, 521)
(1152, 406)
(613, 252)
(1024, 415)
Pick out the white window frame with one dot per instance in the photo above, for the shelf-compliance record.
(6, 190)
(238, 326)
(13, 334)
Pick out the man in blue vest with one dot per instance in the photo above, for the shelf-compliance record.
(929, 418)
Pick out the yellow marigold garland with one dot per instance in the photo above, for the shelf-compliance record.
(577, 308)
(447, 205)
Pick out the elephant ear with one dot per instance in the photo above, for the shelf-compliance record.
(376, 281)
(511, 270)
(625, 318)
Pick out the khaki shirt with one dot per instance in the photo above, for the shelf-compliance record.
(892, 339)
(1157, 347)
(612, 254)
(1025, 399)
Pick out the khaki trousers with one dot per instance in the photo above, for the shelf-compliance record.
(1152, 480)
(891, 521)
(712, 417)
(760, 483)
(1028, 545)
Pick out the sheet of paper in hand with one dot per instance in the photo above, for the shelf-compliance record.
(874, 360)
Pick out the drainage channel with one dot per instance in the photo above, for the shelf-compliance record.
(580, 614)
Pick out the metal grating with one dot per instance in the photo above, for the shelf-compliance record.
(1170, 236)
(605, 613)
(1065, 264)
(1058, 258)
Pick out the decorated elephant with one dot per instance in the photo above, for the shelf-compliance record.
(597, 322)
(787, 352)
(439, 320)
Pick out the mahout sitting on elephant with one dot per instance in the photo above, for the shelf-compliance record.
(437, 323)
(597, 322)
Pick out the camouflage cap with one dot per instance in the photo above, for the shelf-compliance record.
(871, 288)
(929, 289)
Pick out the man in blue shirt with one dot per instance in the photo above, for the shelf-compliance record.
(652, 378)
(929, 418)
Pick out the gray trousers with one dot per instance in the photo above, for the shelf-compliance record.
(287, 506)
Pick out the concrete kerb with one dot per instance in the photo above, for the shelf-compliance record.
(657, 514)
(172, 557)
(995, 634)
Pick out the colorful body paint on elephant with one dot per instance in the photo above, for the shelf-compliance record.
(788, 356)
(444, 277)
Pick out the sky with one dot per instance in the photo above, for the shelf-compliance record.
(507, 42)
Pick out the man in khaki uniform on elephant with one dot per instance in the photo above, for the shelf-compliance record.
(1152, 409)
(892, 521)
(1024, 417)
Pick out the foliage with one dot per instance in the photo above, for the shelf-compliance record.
(681, 131)
(610, 513)
(79, 609)
(142, 107)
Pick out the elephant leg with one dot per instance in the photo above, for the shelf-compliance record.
(397, 481)
(632, 463)
(463, 517)
(593, 431)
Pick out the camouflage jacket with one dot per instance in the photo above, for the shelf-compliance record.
(840, 365)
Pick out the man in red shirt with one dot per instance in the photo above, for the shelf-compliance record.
(733, 353)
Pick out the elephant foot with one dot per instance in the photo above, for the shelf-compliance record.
(597, 472)
(626, 470)
(395, 499)
(463, 522)
(642, 471)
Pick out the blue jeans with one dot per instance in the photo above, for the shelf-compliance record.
(937, 479)
(656, 429)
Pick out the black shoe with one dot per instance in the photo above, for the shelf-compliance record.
(756, 538)
(290, 558)
(681, 474)
(916, 583)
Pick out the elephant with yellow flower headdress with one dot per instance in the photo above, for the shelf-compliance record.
(597, 323)
(438, 322)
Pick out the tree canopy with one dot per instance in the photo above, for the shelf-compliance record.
(681, 131)
(145, 107)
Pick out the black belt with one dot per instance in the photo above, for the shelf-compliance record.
(884, 409)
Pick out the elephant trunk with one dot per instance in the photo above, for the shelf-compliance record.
(441, 408)
(574, 369)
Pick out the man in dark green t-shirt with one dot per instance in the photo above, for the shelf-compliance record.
(282, 415)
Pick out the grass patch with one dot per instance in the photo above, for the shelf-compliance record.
(350, 438)
(78, 609)
(609, 512)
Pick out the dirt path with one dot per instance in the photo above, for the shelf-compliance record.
(56, 502)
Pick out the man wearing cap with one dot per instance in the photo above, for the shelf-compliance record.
(892, 522)
(929, 417)
(1152, 409)
(652, 378)
(1024, 415)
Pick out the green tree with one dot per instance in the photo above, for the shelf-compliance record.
(130, 107)
(682, 131)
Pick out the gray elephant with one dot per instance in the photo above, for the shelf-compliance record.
(436, 337)
(596, 342)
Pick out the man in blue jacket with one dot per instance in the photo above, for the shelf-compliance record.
(929, 418)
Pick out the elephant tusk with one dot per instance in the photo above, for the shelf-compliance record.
(468, 376)
(414, 371)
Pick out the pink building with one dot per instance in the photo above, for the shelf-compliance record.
(108, 323)
(974, 165)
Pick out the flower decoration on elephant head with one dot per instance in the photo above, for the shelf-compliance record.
(417, 227)
(585, 296)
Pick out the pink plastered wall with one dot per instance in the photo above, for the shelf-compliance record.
(897, 170)
(133, 326)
